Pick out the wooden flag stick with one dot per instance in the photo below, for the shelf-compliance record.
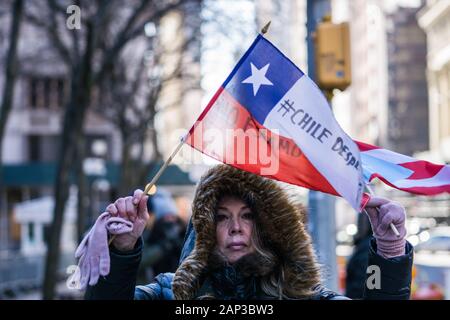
(164, 167)
(149, 185)
(391, 224)
(265, 28)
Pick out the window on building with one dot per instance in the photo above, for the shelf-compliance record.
(42, 148)
(31, 232)
(61, 92)
(33, 93)
(33, 148)
(46, 92)
(47, 233)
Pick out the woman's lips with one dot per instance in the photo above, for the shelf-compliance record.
(237, 246)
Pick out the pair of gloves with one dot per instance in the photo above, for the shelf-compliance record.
(93, 251)
(382, 212)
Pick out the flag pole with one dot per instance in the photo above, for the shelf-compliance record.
(391, 224)
(149, 185)
(265, 28)
(164, 166)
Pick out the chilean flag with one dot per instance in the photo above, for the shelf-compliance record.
(403, 172)
(270, 119)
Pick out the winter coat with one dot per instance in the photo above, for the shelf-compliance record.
(203, 274)
(355, 279)
(162, 248)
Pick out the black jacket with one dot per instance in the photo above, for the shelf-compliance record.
(120, 283)
(355, 278)
(279, 222)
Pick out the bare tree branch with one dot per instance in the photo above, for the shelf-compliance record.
(76, 39)
(111, 53)
(10, 78)
(54, 33)
(127, 34)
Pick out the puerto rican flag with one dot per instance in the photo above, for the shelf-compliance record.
(404, 172)
(269, 118)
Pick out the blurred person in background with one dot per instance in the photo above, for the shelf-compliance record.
(356, 271)
(163, 240)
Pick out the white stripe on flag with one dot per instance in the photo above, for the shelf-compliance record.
(440, 179)
(388, 156)
(388, 170)
(386, 164)
(317, 146)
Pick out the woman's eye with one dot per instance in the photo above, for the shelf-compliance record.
(248, 216)
(221, 217)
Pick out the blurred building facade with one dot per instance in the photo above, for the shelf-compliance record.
(287, 29)
(434, 18)
(31, 142)
(389, 101)
(181, 97)
(407, 127)
(30, 152)
(369, 106)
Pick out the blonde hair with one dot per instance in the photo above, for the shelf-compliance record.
(273, 283)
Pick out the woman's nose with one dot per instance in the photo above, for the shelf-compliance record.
(235, 226)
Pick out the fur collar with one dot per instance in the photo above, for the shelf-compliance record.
(252, 264)
(279, 220)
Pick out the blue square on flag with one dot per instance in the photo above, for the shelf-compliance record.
(261, 78)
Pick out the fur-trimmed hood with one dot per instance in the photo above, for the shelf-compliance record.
(279, 222)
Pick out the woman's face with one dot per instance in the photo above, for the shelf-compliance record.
(234, 228)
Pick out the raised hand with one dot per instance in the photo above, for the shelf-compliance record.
(382, 212)
(135, 210)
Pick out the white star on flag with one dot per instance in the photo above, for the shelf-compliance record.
(258, 78)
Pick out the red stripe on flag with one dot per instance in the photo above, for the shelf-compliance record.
(365, 146)
(429, 191)
(226, 113)
(426, 191)
(422, 169)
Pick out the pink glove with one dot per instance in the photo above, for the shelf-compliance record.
(93, 250)
(388, 243)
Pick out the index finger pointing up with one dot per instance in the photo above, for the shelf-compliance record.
(142, 208)
(137, 195)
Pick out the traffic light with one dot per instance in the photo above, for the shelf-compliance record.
(332, 53)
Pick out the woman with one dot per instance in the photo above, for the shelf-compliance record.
(247, 241)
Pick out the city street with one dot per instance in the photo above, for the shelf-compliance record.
(225, 149)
